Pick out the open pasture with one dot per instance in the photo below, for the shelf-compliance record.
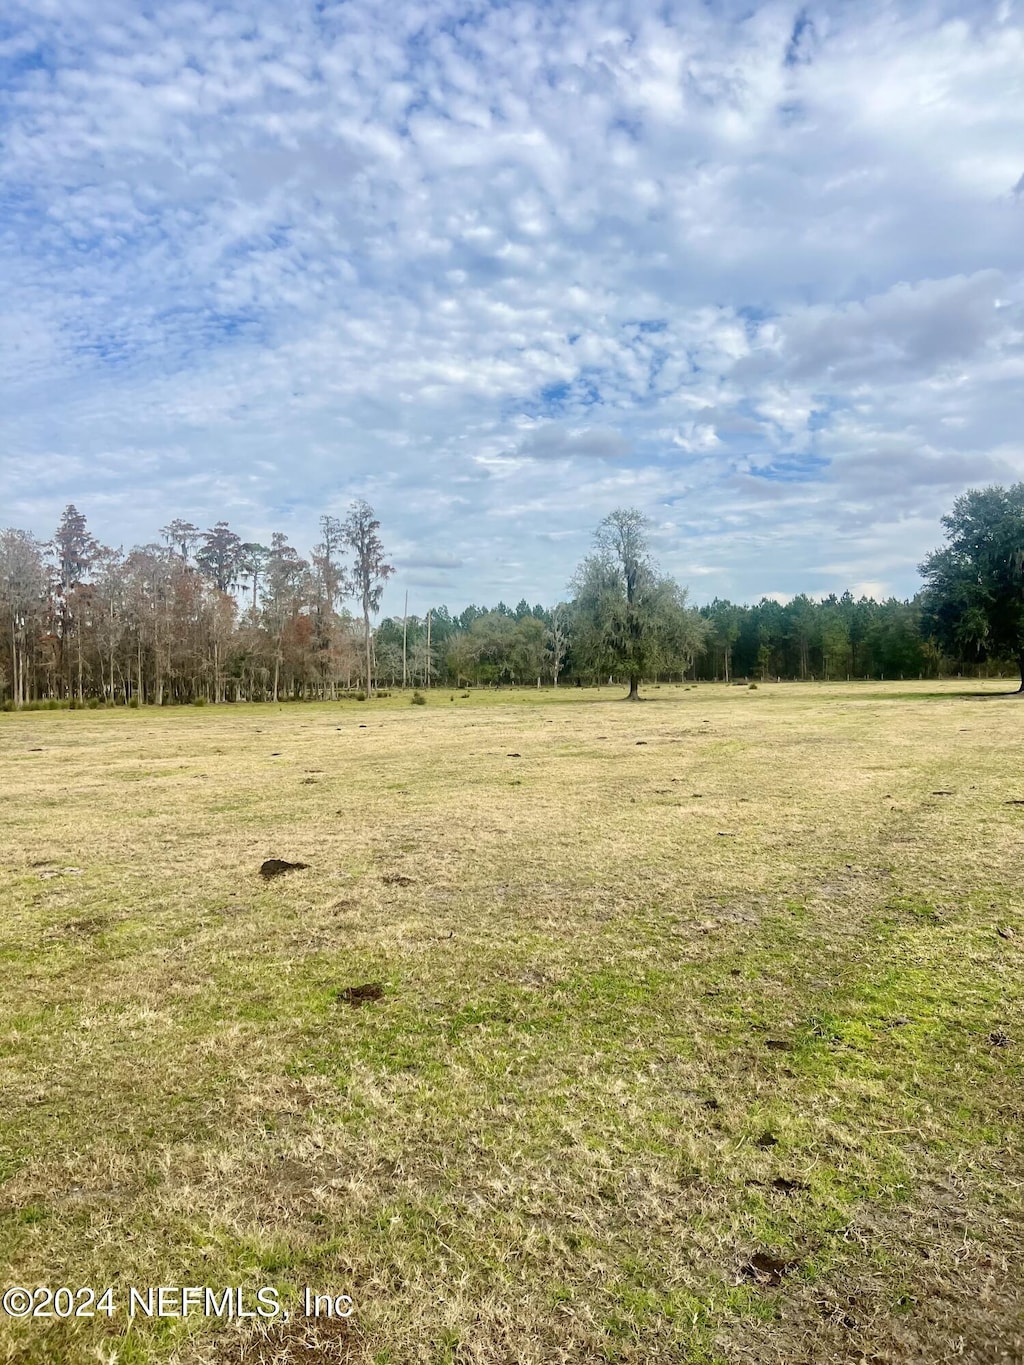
(699, 1034)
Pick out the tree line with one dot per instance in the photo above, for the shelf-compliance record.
(204, 616)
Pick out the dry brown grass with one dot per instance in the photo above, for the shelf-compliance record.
(563, 1133)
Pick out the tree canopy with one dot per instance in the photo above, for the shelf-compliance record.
(370, 571)
(628, 618)
(974, 586)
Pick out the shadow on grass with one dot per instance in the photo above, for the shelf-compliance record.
(961, 694)
(977, 696)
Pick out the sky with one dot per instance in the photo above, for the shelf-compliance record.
(756, 269)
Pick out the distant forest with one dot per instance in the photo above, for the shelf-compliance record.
(204, 616)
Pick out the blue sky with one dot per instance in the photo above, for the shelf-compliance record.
(498, 269)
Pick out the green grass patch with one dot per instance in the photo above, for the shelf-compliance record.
(644, 1017)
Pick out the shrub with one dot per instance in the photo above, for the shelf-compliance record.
(753, 687)
(418, 699)
(93, 703)
(360, 695)
(8, 705)
(199, 701)
(134, 703)
(53, 704)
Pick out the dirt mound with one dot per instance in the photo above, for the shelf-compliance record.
(362, 995)
(276, 867)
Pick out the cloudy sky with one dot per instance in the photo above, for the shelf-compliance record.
(500, 268)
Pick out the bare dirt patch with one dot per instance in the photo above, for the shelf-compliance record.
(277, 867)
(362, 995)
(300, 1341)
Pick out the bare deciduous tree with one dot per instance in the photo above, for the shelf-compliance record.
(284, 581)
(23, 585)
(182, 536)
(220, 558)
(557, 644)
(329, 586)
(252, 565)
(75, 551)
(370, 570)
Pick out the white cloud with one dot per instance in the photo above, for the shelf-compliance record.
(500, 269)
(549, 441)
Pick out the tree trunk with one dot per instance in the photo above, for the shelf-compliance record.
(1020, 665)
(634, 692)
(366, 641)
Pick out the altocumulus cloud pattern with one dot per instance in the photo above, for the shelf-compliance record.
(500, 268)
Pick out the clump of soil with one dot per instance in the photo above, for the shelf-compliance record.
(276, 867)
(767, 1270)
(362, 995)
(785, 1186)
(396, 879)
(299, 1342)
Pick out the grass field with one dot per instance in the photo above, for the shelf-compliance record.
(700, 1035)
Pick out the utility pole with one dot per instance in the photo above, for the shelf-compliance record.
(405, 622)
(428, 648)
